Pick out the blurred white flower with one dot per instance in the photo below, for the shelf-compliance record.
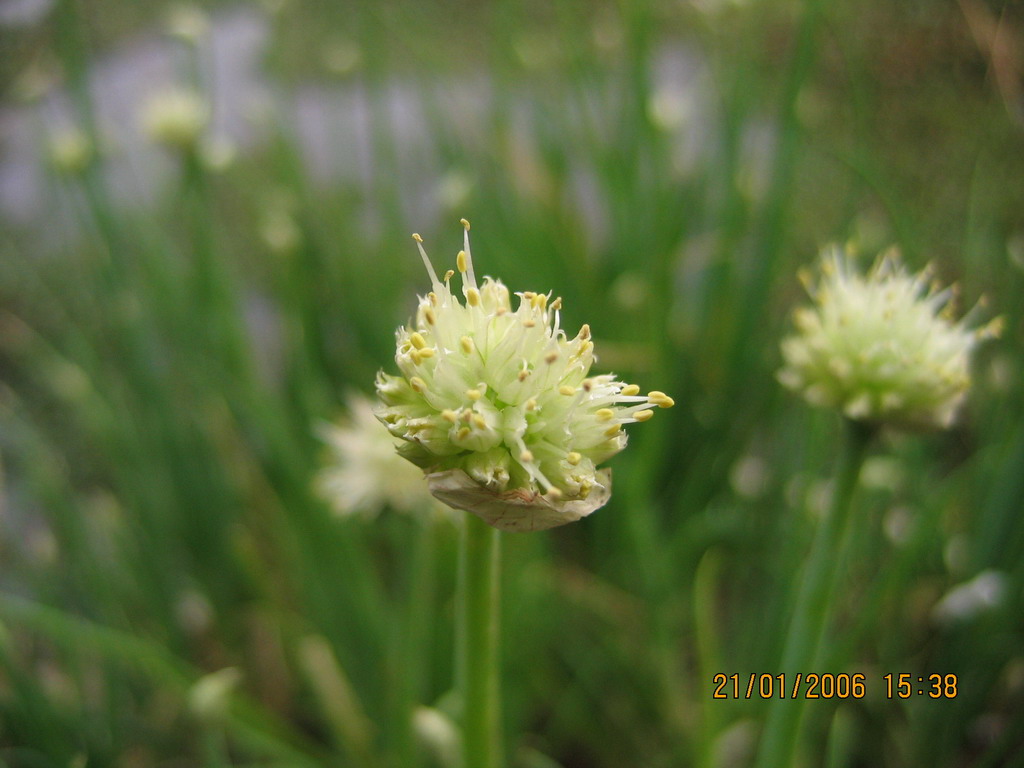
(966, 601)
(176, 117)
(882, 348)
(364, 471)
(496, 404)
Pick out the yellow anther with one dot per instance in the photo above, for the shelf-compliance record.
(500, 311)
(523, 375)
(467, 344)
(630, 389)
(529, 322)
(479, 422)
(417, 238)
(565, 389)
(574, 458)
(585, 489)
(417, 358)
(449, 415)
(604, 414)
(550, 357)
(463, 433)
(418, 384)
(585, 331)
(427, 352)
(529, 295)
(530, 404)
(465, 224)
(557, 303)
(612, 431)
(449, 274)
(460, 261)
(473, 297)
(542, 300)
(526, 457)
(474, 394)
(428, 315)
(417, 340)
(643, 415)
(660, 399)
(433, 298)
(553, 494)
(586, 347)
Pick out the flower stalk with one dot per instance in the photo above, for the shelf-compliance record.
(817, 587)
(477, 662)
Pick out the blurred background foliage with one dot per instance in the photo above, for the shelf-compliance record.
(176, 321)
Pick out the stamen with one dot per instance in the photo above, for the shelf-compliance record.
(418, 384)
(565, 389)
(473, 297)
(417, 341)
(604, 414)
(474, 394)
(467, 344)
(449, 415)
(426, 262)
(470, 275)
(530, 404)
(525, 456)
(643, 415)
(479, 422)
(550, 357)
(630, 389)
(574, 458)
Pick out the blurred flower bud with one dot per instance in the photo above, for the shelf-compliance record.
(966, 601)
(210, 696)
(188, 23)
(176, 117)
(70, 151)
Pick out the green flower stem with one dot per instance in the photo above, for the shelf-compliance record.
(810, 617)
(478, 651)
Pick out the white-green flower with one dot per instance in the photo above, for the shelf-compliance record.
(498, 407)
(881, 348)
(363, 473)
